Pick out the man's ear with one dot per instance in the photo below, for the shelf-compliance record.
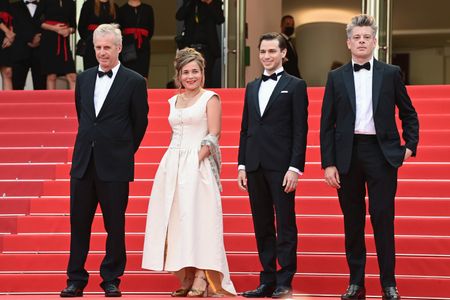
(119, 48)
(284, 52)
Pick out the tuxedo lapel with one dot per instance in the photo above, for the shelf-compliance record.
(376, 84)
(254, 96)
(117, 85)
(350, 85)
(90, 88)
(284, 80)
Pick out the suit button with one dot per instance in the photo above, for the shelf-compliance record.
(95, 124)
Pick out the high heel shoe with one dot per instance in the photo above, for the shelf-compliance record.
(180, 293)
(193, 293)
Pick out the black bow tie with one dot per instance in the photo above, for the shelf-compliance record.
(30, 2)
(101, 74)
(357, 67)
(274, 76)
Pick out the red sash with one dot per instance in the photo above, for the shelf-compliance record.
(6, 18)
(60, 38)
(138, 33)
(92, 27)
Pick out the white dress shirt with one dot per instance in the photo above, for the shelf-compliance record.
(363, 91)
(265, 91)
(102, 86)
(31, 7)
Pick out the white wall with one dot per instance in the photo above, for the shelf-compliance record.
(426, 66)
(318, 45)
(262, 16)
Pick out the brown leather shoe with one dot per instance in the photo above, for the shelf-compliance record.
(354, 292)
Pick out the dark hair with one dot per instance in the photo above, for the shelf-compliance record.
(286, 17)
(273, 36)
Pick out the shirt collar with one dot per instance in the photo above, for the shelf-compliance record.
(280, 69)
(114, 70)
(370, 60)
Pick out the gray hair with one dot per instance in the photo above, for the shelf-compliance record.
(107, 29)
(361, 21)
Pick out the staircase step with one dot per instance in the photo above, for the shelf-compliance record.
(26, 171)
(242, 262)
(307, 187)
(404, 206)
(162, 138)
(421, 287)
(307, 224)
(234, 242)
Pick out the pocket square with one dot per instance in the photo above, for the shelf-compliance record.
(284, 92)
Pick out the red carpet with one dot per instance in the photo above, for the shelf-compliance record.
(37, 131)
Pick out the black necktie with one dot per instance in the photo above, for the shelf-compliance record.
(273, 76)
(357, 67)
(101, 74)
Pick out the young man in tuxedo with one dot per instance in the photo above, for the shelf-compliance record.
(111, 104)
(26, 21)
(360, 146)
(271, 157)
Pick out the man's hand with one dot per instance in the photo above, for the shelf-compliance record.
(290, 181)
(242, 180)
(6, 43)
(10, 35)
(332, 177)
(35, 41)
(408, 154)
(207, 1)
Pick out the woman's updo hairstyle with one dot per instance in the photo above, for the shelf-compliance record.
(183, 57)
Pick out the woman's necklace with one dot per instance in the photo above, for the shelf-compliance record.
(188, 101)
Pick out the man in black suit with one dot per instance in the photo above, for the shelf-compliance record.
(271, 157)
(288, 29)
(360, 145)
(111, 103)
(201, 18)
(26, 21)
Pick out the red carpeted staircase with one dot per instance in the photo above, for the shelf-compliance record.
(37, 131)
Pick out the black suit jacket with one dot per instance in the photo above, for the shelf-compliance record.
(339, 111)
(205, 31)
(291, 65)
(25, 27)
(277, 139)
(116, 133)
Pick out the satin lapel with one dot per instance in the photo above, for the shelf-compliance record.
(254, 96)
(284, 80)
(117, 85)
(90, 88)
(376, 84)
(349, 81)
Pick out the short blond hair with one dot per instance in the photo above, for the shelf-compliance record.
(185, 56)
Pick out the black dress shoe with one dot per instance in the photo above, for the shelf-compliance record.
(282, 292)
(354, 292)
(71, 290)
(111, 290)
(264, 290)
(390, 293)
